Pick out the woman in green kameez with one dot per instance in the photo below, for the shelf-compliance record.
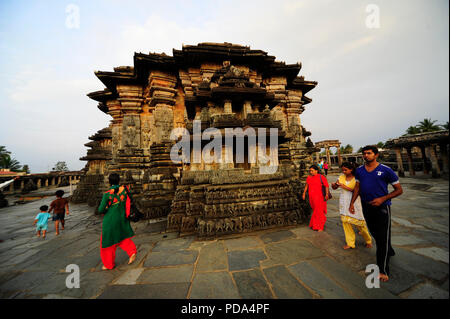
(116, 228)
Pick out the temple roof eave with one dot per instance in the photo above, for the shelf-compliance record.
(306, 100)
(300, 84)
(143, 63)
(110, 79)
(281, 69)
(102, 96)
(420, 139)
(218, 52)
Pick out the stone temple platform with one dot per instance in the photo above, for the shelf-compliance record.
(293, 262)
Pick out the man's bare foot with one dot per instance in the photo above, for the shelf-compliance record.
(104, 268)
(38, 235)
(57, 234)
(319, 230)
(383, 277)
(132, 258)
(348, 247)
(369, 246)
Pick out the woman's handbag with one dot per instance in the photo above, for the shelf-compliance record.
(135, 214)
(324, 190)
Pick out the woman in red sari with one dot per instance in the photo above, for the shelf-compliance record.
(316, 199)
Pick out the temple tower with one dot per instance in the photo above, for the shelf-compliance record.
(206, 88)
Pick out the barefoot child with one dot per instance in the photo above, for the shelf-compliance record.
(60, 207)
(347, 183)
(41, 221)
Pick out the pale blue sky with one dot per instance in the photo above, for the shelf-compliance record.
(373, 83)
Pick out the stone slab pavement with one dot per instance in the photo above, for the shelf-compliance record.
(291, 262)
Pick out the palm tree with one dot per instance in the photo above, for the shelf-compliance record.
(3, 152)
(427, 125)
(11, 163)
(445, 126)
(413, 130)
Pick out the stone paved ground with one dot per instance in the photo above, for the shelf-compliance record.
(293, 262)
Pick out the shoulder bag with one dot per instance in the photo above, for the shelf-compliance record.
(324, 190)
(135, 213)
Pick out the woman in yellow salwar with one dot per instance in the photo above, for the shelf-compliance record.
(116, 228)
(346, 183)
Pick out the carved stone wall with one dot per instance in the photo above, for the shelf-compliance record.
(220, 202)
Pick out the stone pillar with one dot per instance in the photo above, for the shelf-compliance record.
(130, 101)
(163, 98)
(398, 154)
(424, 160)
(114, 109)
(328, 156)
(317, 157)
(247, 108)
(38, 183)
(46, 182)
(167, 113)
(410, 162)
(444, 156)
(339, 156)
(227, 107)
(22, 184)
(435, 170)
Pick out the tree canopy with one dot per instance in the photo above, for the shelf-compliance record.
(60, 167)
(427, 125)
(347, 149)
(6, 161)
(26, 169)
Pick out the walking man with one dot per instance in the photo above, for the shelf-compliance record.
(372, 181)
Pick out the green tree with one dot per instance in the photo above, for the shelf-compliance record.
(3, 152)
(445, 126)
(380, 145)
(26, 169)
(413, 130)
(60, 167)
(427, 125)
(11, 163)
(347, 149)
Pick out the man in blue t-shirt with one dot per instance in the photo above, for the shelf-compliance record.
(372, 181)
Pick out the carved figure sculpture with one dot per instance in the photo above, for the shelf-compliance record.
(210, 226)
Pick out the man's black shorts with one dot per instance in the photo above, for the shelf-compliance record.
(58, 216)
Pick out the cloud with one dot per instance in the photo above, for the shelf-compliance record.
(32, 84)
(364, 74)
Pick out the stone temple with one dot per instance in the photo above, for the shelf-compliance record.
(209, 85)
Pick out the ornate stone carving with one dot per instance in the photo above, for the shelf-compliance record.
(244, 87)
